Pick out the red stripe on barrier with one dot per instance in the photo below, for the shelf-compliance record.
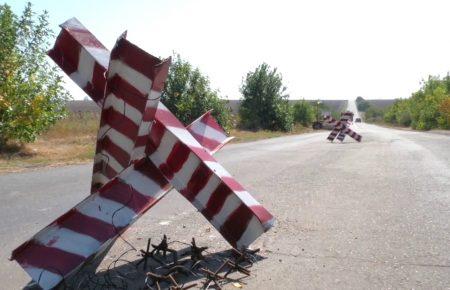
(66, 52)
(107, 170)
(135, 57)
(83, 224)
(50, 259)
(168, 119)
(85, 37)
(150, 114)
(125, 91)
(261, 213)
(119, 122)
(216, 201)
(236, 224)
(115, 151)
(124, 194)
(210, 121)
(151, 171)
(141, 141)
(166, 171)
(178, 156)
(96, 88)
(198, 181)
(156, 134)
(161, 72)
(208, 143)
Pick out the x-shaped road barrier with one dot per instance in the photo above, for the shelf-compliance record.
(341, 127)
(142, 151)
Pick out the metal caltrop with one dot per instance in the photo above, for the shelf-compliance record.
(341, 127)
(142, 151)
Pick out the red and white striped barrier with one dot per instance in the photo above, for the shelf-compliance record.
(142, 149)
(341, 128)
(133, 88)
(204, 182)
(82, 57)
(208, 132)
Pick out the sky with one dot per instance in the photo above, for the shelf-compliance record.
(324, 49)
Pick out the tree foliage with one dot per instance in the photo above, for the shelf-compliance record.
(31, 94)
(264, 104)
(427, 108)
(362, 104)
(188, 94)
(444, 110)
(374, 114)
(304, 113)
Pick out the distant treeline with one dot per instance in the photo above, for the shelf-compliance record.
(428, 108)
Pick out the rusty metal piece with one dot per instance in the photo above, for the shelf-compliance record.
(213, 277)
(177, 286)
(164, 248)
(245, 256)
(236, 267)
(145, 254)
(197, 252)
(179, 269)
(156, 279)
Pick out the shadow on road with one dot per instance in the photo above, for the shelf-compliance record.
(131, 270)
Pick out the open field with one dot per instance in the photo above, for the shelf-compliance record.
(90, 106)
(72, 141)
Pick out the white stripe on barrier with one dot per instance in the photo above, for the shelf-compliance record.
(207, 131)
(121, 107)
(254, 230)
(130, 75)
(68, 241)
(229, 206)
(203, 196)
(104, 209)
(141, 183)
(46, 279)
(217, 168)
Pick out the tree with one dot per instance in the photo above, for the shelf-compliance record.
(444, 118)
(264, 104)
(373, 114)
(188, 94)
(31, 94)
(304, 113)
(362, 104)
(426, 109)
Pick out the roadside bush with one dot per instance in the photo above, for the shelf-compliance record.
(426, 109)
(404, 118)
(31, 94)
(444, 111)
(373, 114)
(264, 104)
(188, 94)
(303, 113)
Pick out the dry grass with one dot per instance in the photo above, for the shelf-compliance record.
(248, 136)
(72, 141)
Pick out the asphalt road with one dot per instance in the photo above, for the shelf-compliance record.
(370, 215)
